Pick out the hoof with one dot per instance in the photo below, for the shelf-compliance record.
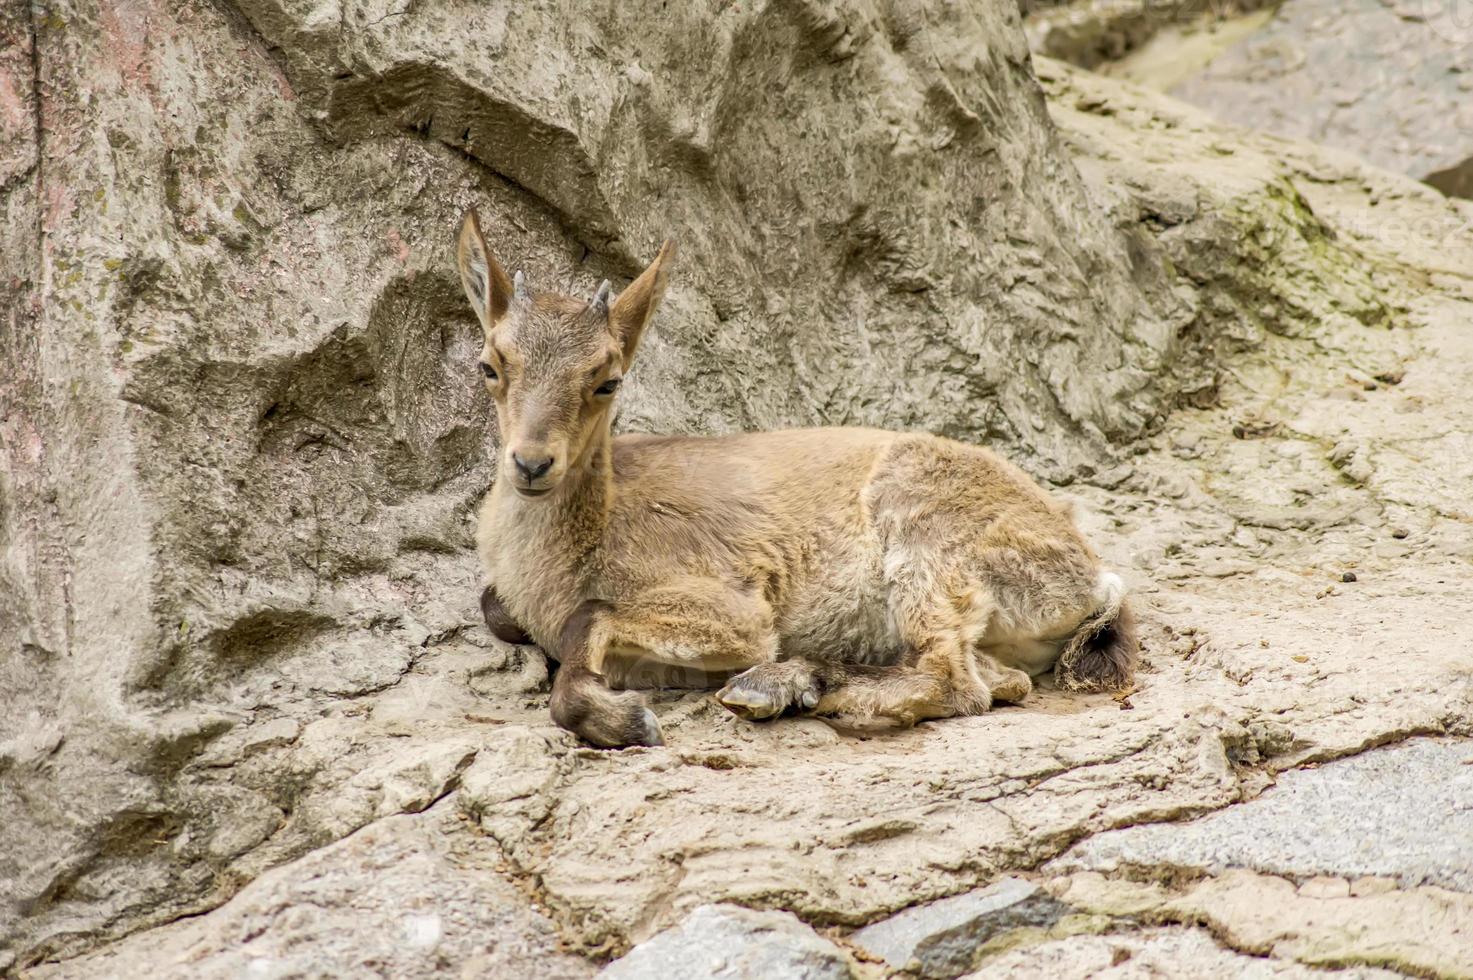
(966, 703)
(604, 718)
(1013, 689)
(767, 690)
(645, 730)
(752, 705)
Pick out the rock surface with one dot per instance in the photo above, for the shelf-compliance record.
(1403, 813)
(399, 898)
(943, 939)
(1101, 33)
(1388, 80)
(241, 440)
(1147, 955)
(1360, 862)
(730, 941)
(1328, 922)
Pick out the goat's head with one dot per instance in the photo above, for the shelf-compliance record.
(552, 363)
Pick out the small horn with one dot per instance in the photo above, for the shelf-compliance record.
(519, 287)
(600, 302)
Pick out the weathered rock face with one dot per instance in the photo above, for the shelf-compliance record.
(241, 439)
(1153, 953)
(1388, 80)
(1391, 82)
(241, 433)
(1399, 813)
(1096, 33)
(730, 941)
(942, 939)
(856, 187)
(399, 898)
(1363, 861)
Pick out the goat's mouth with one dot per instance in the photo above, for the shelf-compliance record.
(533, 491)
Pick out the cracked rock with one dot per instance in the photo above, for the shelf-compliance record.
(732, 942)
(394, 899)
(1400, 812)
(942, 939)
(1147, 955)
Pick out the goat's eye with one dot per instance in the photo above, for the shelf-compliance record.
(608, 387)
(488, 371)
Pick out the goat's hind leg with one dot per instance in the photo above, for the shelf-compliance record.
(899, 693)
(940, 678)
(903, 695)
(1005, 683)
(923, 687)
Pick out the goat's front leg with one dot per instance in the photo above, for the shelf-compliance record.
(683, 634)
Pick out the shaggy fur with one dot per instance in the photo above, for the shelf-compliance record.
(841, 571)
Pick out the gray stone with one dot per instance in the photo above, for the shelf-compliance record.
(396, 899)
(1090, 33)
(1391, 82)
(942, 939)
(729, 941)
(1388, 80)
(1401, 812)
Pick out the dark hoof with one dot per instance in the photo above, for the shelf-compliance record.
(645, 729)
(608, 719)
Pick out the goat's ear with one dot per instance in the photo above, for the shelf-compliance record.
(635, 306)
(485, 282)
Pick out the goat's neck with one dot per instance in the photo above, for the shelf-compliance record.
(589, 492)
(570, 523)
(541, 553)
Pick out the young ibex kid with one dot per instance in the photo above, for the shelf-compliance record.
(837, 571)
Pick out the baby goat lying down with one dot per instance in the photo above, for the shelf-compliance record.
(837, 571)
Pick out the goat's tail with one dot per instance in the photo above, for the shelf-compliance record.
(1102, 653)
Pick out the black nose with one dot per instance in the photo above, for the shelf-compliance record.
(531, 469)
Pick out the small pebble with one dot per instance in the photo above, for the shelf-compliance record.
(1348, 577)
(1399, 532)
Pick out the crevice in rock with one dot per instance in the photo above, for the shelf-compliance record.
(1225, 938)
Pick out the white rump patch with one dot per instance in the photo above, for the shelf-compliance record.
(1109, 591)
